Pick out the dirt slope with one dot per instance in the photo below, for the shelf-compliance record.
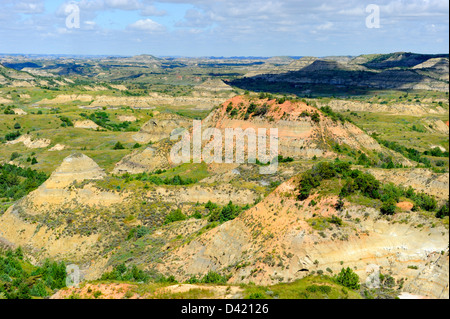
(274, 242)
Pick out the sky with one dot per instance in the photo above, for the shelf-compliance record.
(223, 27)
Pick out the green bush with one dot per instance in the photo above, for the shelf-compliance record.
(257, 295)
(229, 212)
(214, 278)
(17, 275)
(38, 290)
(118, 146)
(348, 278)
(65, 121)
(122, 273)
(12, 136)
(388, 208)
(174, 216)
(16, 182)
(335, 220)
(319, 288)
(443, 211)
(14, 155)
(138, 232)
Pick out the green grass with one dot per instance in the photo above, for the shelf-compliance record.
(399, 128)
(299, 290)
(195, 171)
(195, 293)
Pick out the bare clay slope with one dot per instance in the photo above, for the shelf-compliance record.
(303, 131)
(274, 242)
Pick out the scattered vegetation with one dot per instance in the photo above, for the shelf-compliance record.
(16, 182)
(124, 273)
(363, 183)
(224, 214)
(19, 279)
(102, 119)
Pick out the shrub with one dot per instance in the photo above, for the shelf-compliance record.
(122, 273)
(315, 117)
(118, 146)
(257, 295)
(348, 278)
(174, 216)
(425, 201)
(12, 136)
(214, 278)
(316, 288)
(388, 208)
(8, 111)
(38, 289)
(65, 121)
(197, 215)
(443, 211)
(138, 232)
(229, 212)
(335, 220)
(193, 280)
(14, 155)
(16, 182)
(339, 204)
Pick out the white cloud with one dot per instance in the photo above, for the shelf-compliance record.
(152, 11)
(123, 4)
(147, 25)
(30, 6)
(325, 26)
(260, 27)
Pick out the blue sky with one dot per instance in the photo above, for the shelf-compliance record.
(223, 27)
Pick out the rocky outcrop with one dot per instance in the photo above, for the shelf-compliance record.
(150, 159)
(160, 127)
(86, 124)
(29, 142)
(431, 279)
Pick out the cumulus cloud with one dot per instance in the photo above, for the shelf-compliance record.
(147, 25)
(258, 27)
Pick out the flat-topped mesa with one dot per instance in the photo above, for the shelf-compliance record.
(75, 168)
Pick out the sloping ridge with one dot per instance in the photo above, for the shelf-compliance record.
(299, 136)
(29, 222)
(273, 242)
